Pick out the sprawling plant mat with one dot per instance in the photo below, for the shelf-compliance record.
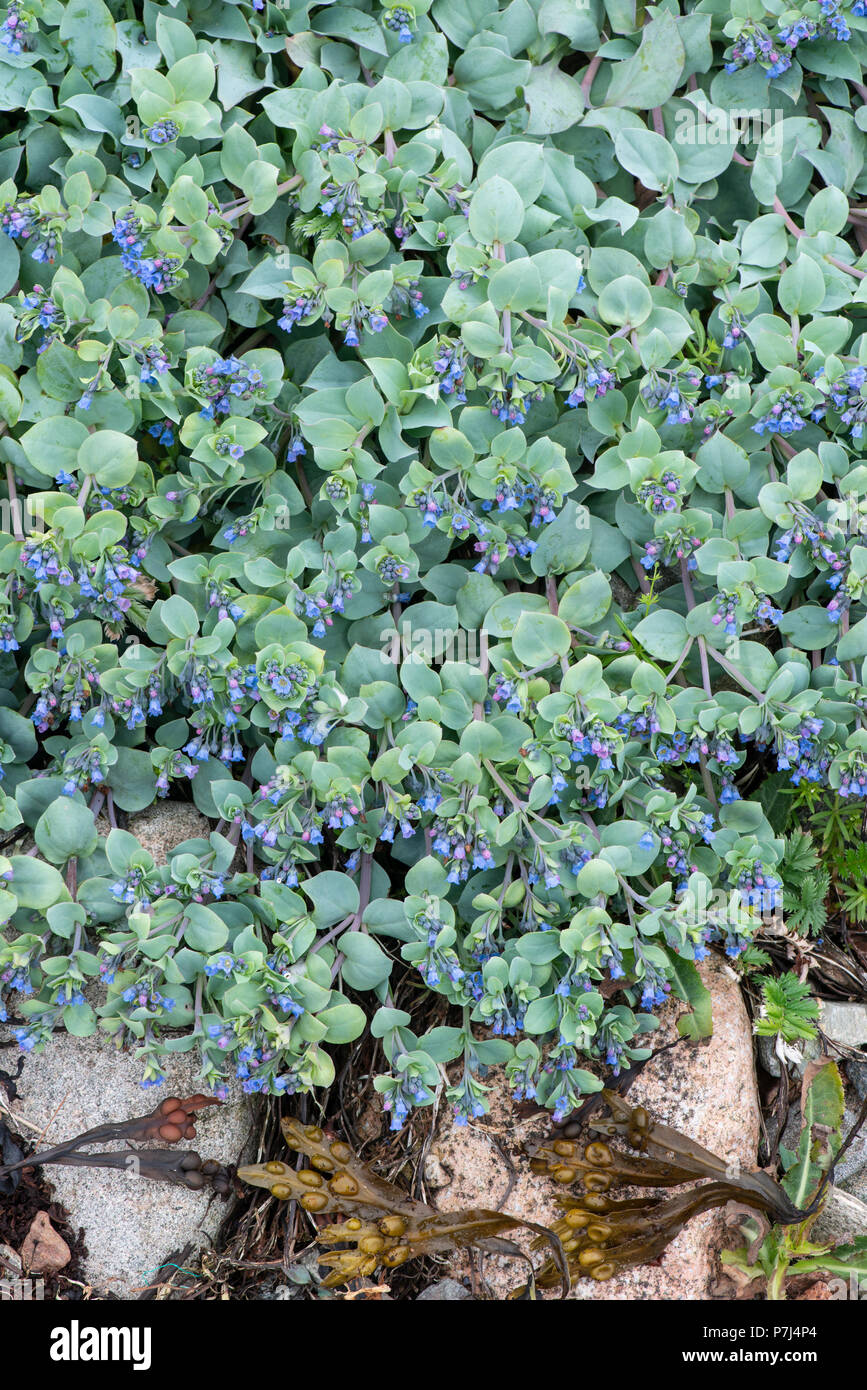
(433, 442)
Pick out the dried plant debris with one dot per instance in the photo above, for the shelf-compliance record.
(786, 1250)
(384, 1226)
(171, 1121)
(602, 1236)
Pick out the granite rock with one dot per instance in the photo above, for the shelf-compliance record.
(841, 1220)
(444, 1291)
(44, 1250)
(166, 824)
(705, 1090)
(131, 1225)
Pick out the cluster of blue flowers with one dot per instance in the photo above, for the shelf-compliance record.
(589, 740)
(345, 202)
(21, 220)
(511, 401)
(405, 820)
(467, 1099)
(673, 548)
(297, 307)
(766, 613)
(640, 723)
(731, 339)
(846, 395)
(144, 995)
(15, 31)
(853, 776)
(8, 640)
(158, 273)
(105, 583)
(562, 1062)
(362, 317)
(222, 381)
(462, 849)
(163, 432)
(774, 53)
(390, 569)
(451, 365)
(673, 392)
(175, 766)
(438, 961)
(825, 548)
(223, 599)
(595, 378)
(505, 690)
(86, 767)
(726, 608)
(495, 553)
(798, 751)
(288, 682)
(759, 889)
(660, 495)
(163, 132)
(784, 416)
(400, 20)
(39, 310)
(681, 747)
(655, 988)
(66, 691)
(152, 363)
(407, 299)
(408, 1091)
(13, 979)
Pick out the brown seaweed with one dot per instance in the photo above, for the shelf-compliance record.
(601, 1236)
(171, 1121)
(383, 1226)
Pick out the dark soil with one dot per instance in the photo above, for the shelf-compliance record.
(26, 1193)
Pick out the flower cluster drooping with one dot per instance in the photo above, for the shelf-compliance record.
(400, 20)
(784, 416)
(158, 273)
(15, 31)
(22, 221)
(223, 381)
(774, 53)
(846, 396)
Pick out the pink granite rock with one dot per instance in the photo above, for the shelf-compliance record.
(705, 1090)
(44, 1250)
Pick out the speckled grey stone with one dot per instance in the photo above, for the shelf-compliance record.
(767, 1055)
(844, 1023)
(857, 1073)
(445, 1291)
(131, 1225)
(842, 1219)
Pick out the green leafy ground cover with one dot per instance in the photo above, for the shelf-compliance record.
(433, 441)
